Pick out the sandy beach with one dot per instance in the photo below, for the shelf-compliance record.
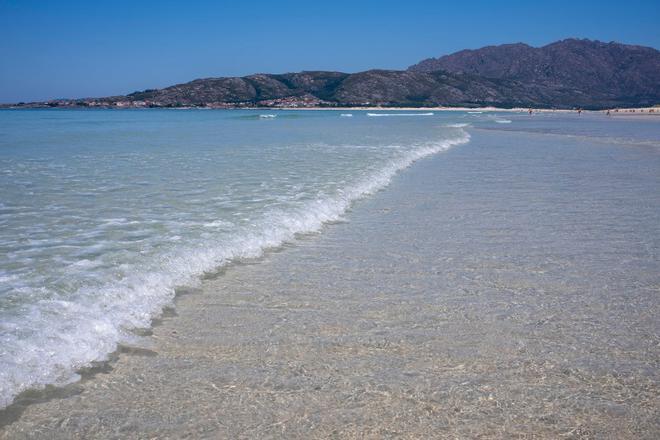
(640, 111)
(630, 112)
(474, 298)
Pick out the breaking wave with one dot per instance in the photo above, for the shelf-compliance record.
(399, 114)
(65, 335)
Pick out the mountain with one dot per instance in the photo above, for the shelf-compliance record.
(325, 89)
(566, 74)
(592, 72)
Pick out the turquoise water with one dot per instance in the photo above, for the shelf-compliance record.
(104, 213)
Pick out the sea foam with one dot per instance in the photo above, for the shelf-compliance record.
(399, 114)
(66, 335)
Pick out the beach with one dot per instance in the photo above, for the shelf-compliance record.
(639, 111)
(505, 287)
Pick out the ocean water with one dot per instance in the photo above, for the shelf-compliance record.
(513, 275)
(103, 214)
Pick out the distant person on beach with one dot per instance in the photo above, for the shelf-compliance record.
(530, 111)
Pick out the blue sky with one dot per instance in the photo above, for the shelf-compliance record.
(52, 49)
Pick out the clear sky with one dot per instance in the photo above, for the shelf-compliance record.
(53, 49)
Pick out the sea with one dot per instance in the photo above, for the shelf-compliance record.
(106, 214)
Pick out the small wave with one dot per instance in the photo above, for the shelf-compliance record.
(100, 318)
(475, 113)
(83, 264)
(217, 224)
(457, 125)
(400, 114)
(268, 116)
(346, 115)
(502, 121)
(592, 138)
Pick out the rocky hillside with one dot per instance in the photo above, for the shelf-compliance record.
(591, 72)
(326, 89)
(566, 74)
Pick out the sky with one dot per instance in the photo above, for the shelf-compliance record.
(84, 48)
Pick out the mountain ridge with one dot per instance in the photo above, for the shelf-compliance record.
(608, 71)
(565, 74)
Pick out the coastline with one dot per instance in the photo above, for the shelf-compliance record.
(447, 109)
(615, 112)
(630, 112)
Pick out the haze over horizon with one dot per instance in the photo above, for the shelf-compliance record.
(75, 49)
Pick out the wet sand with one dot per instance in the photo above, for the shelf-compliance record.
(497, 290)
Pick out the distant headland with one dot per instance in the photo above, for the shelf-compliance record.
(566, 74)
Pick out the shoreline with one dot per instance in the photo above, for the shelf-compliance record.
(637, 111)
(399, 321)
(456, 109)
(640, 111)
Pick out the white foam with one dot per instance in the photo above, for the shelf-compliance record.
(84, 264)
(399, 114)
(269, 116)
(7, 278)
(346, 115)
(68, 334)
(475, 113)
(217, 224)
(502, 121)
(456, 125)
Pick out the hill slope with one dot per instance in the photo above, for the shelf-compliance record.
(594, 73)
(329, 89)
(565, 74)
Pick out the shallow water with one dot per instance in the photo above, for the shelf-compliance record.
(104, 213)
(509, 283)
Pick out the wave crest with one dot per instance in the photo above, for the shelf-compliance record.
(399, 114)
(104, 318)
